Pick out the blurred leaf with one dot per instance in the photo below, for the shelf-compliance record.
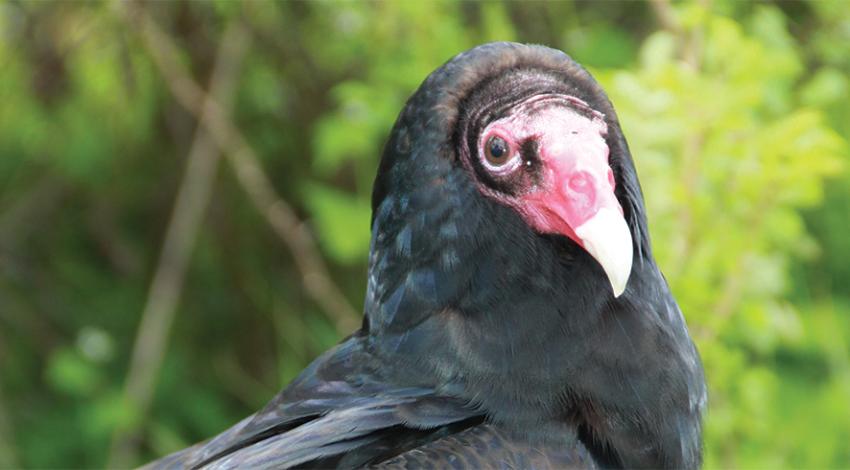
(70, 373)
(342, 221)
(602, 45)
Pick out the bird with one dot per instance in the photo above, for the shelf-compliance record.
(514, 315)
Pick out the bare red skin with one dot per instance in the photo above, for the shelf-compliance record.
(576, 179)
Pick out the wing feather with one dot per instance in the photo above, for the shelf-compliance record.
(335, 406)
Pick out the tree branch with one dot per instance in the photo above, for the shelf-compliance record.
(164, 294)
(691, 54)
(280, 215)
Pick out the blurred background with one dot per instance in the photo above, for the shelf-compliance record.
(184, 203)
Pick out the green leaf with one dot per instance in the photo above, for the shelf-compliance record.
(68, 372)
(342, 222)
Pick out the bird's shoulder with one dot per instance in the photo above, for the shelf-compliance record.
(338, 412)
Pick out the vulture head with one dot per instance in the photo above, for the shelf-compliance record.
(543, 152)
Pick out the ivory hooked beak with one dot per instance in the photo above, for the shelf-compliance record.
(607, 238)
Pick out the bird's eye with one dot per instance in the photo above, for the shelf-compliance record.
(497, 151)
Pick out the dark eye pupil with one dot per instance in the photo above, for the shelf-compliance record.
(497, 149)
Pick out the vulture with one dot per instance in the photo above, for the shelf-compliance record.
(514, 315)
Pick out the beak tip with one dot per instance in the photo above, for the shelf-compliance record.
(619, 287)
(606, 236)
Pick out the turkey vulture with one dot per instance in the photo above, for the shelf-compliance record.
(514, 315)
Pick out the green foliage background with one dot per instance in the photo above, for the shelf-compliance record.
(738, 115)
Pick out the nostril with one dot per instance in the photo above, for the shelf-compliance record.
(579, 181)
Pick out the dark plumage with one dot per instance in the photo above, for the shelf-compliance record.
(491, 335)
